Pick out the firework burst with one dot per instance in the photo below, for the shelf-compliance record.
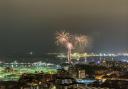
(71, 42)
(62, 38)
(81, 40)
(69, 45)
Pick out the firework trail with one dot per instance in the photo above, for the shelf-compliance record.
(71, 42)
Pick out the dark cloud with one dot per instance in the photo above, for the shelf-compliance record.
(31, 24)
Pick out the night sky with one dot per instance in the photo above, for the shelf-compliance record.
(30, 25)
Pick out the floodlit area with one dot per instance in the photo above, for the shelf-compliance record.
(8, 73)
